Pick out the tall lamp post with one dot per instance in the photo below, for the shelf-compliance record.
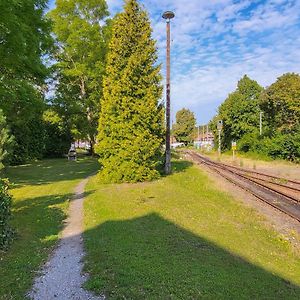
(168, 15)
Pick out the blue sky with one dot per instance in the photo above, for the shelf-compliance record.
(214, 43)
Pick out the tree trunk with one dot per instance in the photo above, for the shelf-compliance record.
(92, 146)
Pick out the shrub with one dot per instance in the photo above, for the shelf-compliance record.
(29, 142)
(57, 135)
(6, 231)
(284, 146)
(6, 140)
(249, 142)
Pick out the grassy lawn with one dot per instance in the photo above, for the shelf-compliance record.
(40, 191)
(182, 238)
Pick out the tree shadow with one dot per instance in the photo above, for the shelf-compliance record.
(152, 258)
(51, 170)
(180, 165)
(37, 222)
(39, 205)
(177, 165)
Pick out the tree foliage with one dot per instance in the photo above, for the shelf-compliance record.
(6, 231)
(281, 103)
(6, 140)
(240, 111)
(81, 48)
(183, 129)
(131, 120)
(25, 39)
(57, 134)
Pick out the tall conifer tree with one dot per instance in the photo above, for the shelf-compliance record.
(131, 119)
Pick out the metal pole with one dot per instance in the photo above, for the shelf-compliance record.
(207, 133)
(219, 149)
(168, 92)
(260, 123)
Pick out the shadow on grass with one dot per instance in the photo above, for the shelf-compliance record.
(37, 222)
(152, 258)
(180, 165)
(51, 170)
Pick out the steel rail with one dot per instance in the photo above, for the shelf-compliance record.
(259, 173)
(245, 173)
(215, 167)
(272, 182)
(256, 181)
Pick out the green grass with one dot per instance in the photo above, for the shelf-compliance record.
(41, 191)
(182, 238)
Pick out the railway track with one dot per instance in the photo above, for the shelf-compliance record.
(280, 193)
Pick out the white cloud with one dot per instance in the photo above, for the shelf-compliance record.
(214, 43)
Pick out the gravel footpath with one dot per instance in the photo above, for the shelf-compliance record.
(61, 277)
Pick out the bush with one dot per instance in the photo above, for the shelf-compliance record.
(283, 146)
(6, 140)
(29, 142)
(249, 142)
(6, 231)
(57, 135)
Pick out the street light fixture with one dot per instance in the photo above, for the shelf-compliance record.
(168, 15)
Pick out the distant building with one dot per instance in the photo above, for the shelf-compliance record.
(176, 145)
(204, 141)
(82, 144)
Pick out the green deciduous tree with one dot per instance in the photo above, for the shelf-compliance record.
(183, 129)
(24, 37)
(24, 40)
(131, 120)
(240, 111)
(23, 105)
(281, 103)
(82, 36)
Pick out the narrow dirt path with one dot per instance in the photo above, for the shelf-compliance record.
(61, 277)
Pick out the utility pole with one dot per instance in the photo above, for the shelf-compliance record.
(207, 133)
(219, 127)
(219, 148)
(260, 123)
(202, 142)
(168, 15)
